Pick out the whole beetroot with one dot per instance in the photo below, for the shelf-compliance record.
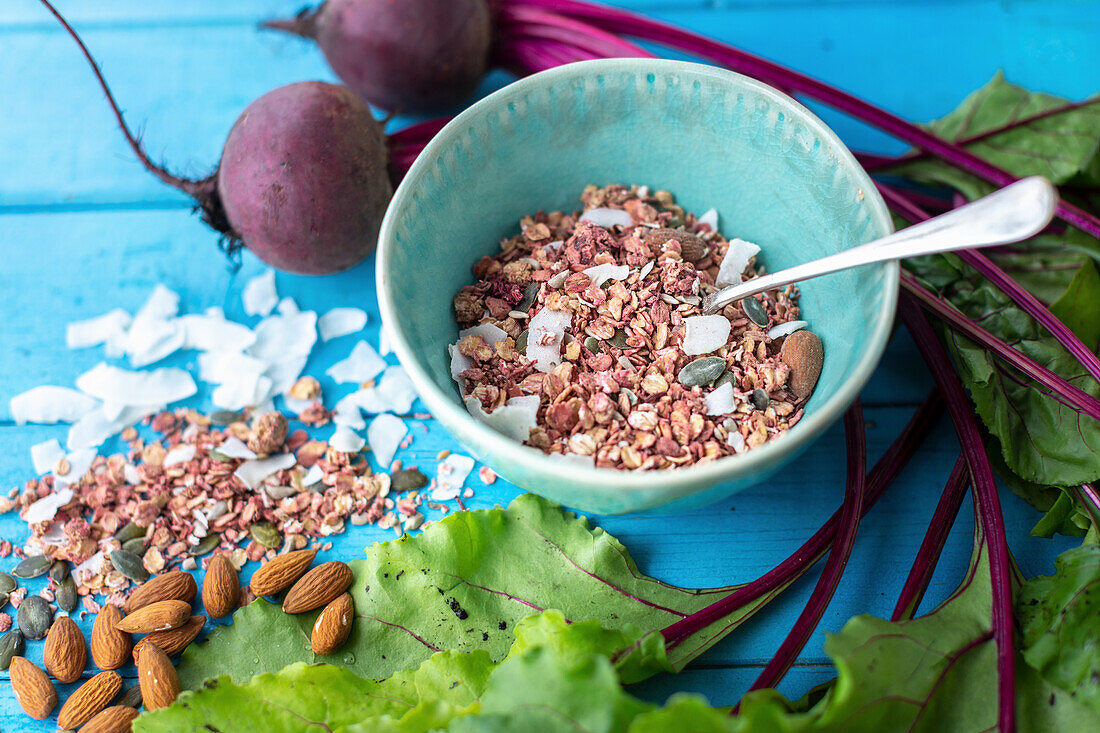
(408, 56)
(303, 179)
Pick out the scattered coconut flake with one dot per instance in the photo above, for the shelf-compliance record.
(152, 338)
(711, 218)
(45, 455)
(515, 418)
(313, 475)
(180, 454)
(79, 461)
(736, 260)
(287, 307)
(241, 391)
(362, 364)
(489, 333)
(646, 269)
(213, 332)
(347, 412)
(259, 295)
(704, 334)
(736, 441)
(346, 440)
(385, 434)
(602, 273)
(45, 508)
(161, 303)
(558, 280)
(130, 473)
(284, 373)
(99, 330)
(340, 322)
(786, 329)
(385, 341)
(48, 404)
(546, 332)
(450, 477)
(297, 406)
(393, 393)
(721, 401)
(283, 336)
(91, 565)
(233, 447)
(252, 473)
(608, 218)
(100, 424)
(224, 366)
(124, 387)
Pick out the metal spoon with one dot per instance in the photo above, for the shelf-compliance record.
(1015, 212)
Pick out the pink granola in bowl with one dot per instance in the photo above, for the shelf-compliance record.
(584, 337)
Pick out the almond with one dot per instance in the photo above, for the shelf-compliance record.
(692, 248)
(802, 352)
(281, 573)
(172, 641)
(317, 587)
(221, 589)
(110, 646)
(65, 654)
(32, 688)
(159, 683)
(89, 699)
(332, 626)
(159, 616)
(115, 719)
(174, 586)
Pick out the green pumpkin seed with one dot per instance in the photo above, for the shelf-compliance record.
(760, 399)
(219, 457)
(754, 311)
(65, 595)
(7, 583)
(34, 617)
(4, 597)
(265, 533)
(225, 417)
(593, 344)
(407, 479)
(206, 544)
(130, 531)
(59, 570)
(675, 222)
(136, 546)
(521, 342)
(630, 396)
(619, 339)
(11, 645)
(32, 567)
(529, 294)
(703, 370)
(130, 565)
(727, 377)
(131, 698)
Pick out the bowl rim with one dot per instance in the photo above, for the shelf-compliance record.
(693, 478)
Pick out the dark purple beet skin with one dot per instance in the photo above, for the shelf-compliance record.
(303, 179)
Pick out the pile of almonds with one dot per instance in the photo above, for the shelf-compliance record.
(160, 609)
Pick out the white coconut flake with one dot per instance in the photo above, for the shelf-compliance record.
(602, 273)
(252, 473)
(161, 303)
(786, 329)
(233, 447)
(459, 363)
(283, 336)
(340, 322)
(213, 332)
(362, 364)
(721, 401)
(558, 280)
(124, 387)
(385, 434)
(217, 367)
(92, 564)
(79, 462)
(385, 341)
(735, 440)
(489, 333)
(710, 217)
(313, 476)
(130, 473)
(646, 269)
(45, 508)
(515, 418)
(45, 456)
(48, 404)
(98, 425)
(608, 218)
(287, 307)
(347, 412)
(704, 334)
(152, 338)
(259, 296)
(241, 390)
(346, 440)
(393, 393)
(297, 406)
(99, 330)
(180, 454)
(451, 476)
(546, 332)
(573, 458)
(737, 258)
(284, 373)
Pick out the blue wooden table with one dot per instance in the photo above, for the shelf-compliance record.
(84, 229)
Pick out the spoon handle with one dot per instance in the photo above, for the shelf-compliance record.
(1013, 213)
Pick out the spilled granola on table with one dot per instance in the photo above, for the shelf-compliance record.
(584, 337)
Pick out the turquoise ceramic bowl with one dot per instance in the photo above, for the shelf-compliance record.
(777, 175)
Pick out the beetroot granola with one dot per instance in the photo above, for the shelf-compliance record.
(584, 337)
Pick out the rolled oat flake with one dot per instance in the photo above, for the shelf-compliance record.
(755, 311)
(760, 399)
(703, 370)
(34, 617)
(130, 565)
(65, 595)
(11, 645)
(32, 567)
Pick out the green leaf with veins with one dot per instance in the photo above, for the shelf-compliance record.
(1079, 306)
(462, 584)
(1059, 616)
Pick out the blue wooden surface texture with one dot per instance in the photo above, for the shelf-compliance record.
(84, 230)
